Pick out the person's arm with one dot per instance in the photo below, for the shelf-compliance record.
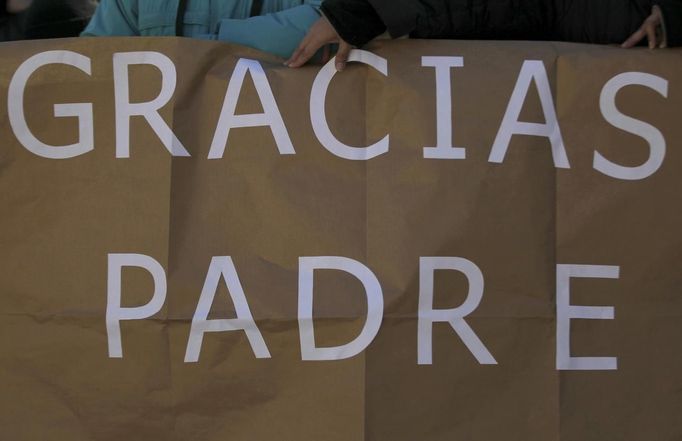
(112, 18)
(277, 33)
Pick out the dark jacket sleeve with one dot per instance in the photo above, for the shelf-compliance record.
(584, 21)
(672, 16)
(356, 21)
(402, 17)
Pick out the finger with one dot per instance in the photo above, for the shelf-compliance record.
(651, 35)
(304, 54)
(299, 56)
(634, 38)
(318, 35)
(298, 51)
(295, 55)
(342, 55)
(660, 37)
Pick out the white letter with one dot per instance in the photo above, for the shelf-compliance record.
(270, 116)
(82, 111)
(565, 312)
(607, 104)
(223, 266)
(375, 307)
(149, 110)
(532, 70)
(115, 312)
(455, 316)
(444, 148)
(318, 115)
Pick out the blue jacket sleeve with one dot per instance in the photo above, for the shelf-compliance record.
(277, 33)
(112, 18)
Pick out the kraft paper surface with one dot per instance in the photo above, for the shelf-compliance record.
(519, 221)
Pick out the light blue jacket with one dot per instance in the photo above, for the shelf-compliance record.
(278, 30)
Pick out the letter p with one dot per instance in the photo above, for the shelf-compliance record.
(115, 312)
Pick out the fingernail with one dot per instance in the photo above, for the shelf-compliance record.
(340, 67)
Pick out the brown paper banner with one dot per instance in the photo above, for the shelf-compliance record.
(549, 192)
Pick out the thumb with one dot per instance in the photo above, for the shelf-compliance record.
(342, 55)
